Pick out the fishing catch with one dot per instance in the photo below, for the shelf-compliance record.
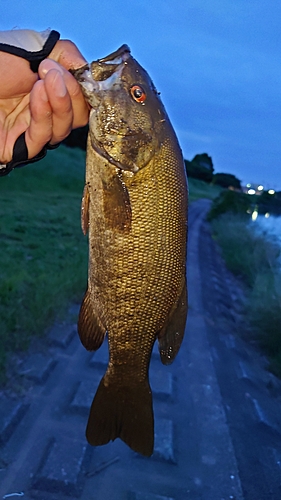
(135, 209)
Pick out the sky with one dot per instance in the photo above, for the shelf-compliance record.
(216, 63)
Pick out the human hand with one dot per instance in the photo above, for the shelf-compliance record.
(46, 106)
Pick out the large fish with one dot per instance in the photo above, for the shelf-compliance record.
(135, 207)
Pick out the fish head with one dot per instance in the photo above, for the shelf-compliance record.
(127, 115)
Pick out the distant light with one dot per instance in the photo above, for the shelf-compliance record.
(260, 188)
(266, 215)
(271, 191)
(252, 191)
(255, 215)
(248, 185)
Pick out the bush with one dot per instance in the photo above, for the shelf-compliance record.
(269, 203)
(232, 201)
(227, 180)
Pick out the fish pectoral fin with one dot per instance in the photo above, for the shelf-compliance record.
(90, 329)
(85, 209)
(116, 204)
(171, 335)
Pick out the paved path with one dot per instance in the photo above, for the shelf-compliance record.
(217, 409)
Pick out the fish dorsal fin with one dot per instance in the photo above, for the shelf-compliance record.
(171, 335)
(85, 209)
(116, 204)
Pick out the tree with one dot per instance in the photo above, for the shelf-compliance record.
(200, 167)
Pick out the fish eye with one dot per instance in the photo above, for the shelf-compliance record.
(137, 93)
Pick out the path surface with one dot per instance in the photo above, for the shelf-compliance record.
(217, 409)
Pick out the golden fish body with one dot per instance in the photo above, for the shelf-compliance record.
(135, 207)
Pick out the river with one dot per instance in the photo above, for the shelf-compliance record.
(271, 225)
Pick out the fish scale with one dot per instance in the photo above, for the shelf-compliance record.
(135, 204)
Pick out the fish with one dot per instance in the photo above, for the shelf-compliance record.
(134, 208)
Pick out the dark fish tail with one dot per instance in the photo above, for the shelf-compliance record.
(124, 412)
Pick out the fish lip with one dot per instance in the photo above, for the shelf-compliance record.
(123, 53)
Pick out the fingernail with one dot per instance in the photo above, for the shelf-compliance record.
(60, 88)
(47, 65)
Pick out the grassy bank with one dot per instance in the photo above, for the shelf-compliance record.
(256, 258)
(43, 258)
(200, 189)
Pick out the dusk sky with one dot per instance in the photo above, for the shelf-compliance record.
(216, 63)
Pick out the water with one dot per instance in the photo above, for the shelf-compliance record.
(271, 225)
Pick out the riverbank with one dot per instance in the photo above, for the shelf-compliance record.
(43, 259)
(254, 255)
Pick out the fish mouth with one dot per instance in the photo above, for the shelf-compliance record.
(103, 73)
(120, 55)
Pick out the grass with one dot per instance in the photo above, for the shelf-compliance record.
(43, 258)
(256, 258)
(200, 189)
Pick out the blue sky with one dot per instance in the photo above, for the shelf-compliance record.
(217, 64)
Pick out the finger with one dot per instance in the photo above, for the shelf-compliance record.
(67, 54)
(79, 105)
(39, 131)
(61, 105)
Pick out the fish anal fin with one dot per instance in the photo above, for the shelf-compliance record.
(85, 209)
(171, 335)
(125, 412)
(90, 329)
(116, 204)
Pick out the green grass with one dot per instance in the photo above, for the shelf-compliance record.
(43, 258)
(256, 258)
(200, 189)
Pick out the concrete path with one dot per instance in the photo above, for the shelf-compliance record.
(217, 409)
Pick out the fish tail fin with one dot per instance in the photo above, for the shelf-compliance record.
(125, 413)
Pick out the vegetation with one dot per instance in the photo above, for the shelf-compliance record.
(227, 181)
(201, 189)
(269, 203)
(242, 203)
(232, 202)
(43, 259)
(200, 167)
(256, 258)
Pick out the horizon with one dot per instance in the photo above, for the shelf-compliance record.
(218, 68)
